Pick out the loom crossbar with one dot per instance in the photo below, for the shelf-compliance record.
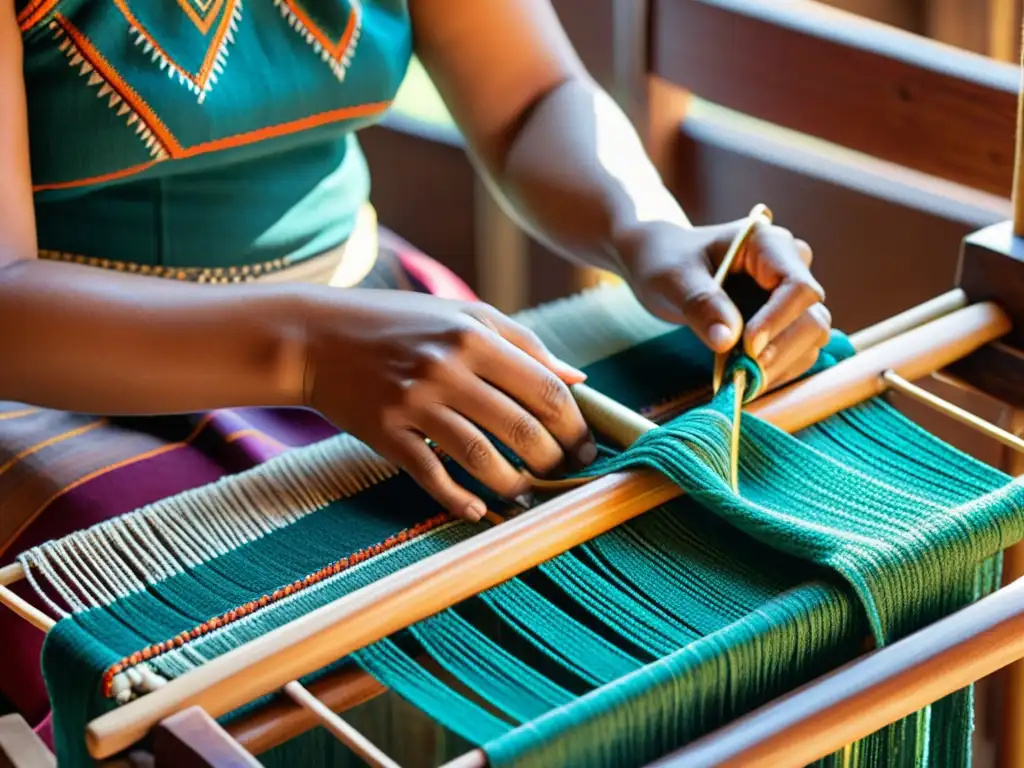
(438, 582)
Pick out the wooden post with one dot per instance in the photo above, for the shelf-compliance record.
(1010, 715)
(1018, 174)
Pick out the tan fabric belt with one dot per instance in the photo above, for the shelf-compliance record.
(341, 267)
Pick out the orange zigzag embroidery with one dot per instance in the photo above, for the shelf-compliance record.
(80, 55)
(336, 54)
(201, 82)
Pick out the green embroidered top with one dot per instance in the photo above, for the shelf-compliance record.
(204, 133)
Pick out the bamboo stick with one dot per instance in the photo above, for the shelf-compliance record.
(10, 574)
(923, 396)
(365, 749)
(759, 214)
(493, 556)
(282, 719)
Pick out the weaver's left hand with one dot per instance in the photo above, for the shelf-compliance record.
(671, 270)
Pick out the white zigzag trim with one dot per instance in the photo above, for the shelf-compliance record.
(338, 66)
(220, 61)
(77, 61)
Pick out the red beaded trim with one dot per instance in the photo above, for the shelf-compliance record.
(278, 594)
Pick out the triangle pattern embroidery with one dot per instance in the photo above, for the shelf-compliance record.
(201, 12)
(187, 39)
(334, 50)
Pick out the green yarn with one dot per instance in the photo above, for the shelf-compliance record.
(648, 636)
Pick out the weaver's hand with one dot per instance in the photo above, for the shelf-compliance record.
(671, 270)
(392, 368)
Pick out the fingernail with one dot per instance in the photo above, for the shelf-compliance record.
(576, 374)
(475, 510)
(765, 358)
(587, 453)
(719, 335)
(758, 344)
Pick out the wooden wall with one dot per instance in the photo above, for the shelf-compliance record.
(933, 129)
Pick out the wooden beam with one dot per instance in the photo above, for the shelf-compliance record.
(876, 229)
(20, 747)
(193, 738)
(846, 79)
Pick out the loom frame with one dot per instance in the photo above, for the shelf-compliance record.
(916, 343)
(993, 625)
(265, 665)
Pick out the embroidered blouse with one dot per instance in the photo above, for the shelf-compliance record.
(176, 134)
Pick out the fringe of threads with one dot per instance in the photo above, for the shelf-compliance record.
(122, 556)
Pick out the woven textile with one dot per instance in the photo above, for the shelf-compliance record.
(609, 655)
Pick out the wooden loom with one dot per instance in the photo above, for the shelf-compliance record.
(815, 722)
(973, 331)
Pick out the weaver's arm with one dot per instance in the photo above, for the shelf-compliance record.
(386, 368)
(87, 339)
(568, 164)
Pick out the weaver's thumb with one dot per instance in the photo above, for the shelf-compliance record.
(708, 310)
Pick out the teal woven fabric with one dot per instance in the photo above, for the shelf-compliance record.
(629, 646)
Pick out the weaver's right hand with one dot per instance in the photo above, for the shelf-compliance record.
(393, 367)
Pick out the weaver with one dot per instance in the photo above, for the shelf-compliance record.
(857, 530)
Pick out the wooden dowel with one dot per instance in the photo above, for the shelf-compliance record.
(896, 382)
(342, 731)
(193, 738)
(10, 574)
(477, 758)
(940, 343)
(612, 419)
(23, 608)
(933, 309)
(930, 310)
(282, 719)
(878, 689)
(496, 555)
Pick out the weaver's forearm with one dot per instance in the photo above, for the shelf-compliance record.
(83, 339)
(577, 176)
